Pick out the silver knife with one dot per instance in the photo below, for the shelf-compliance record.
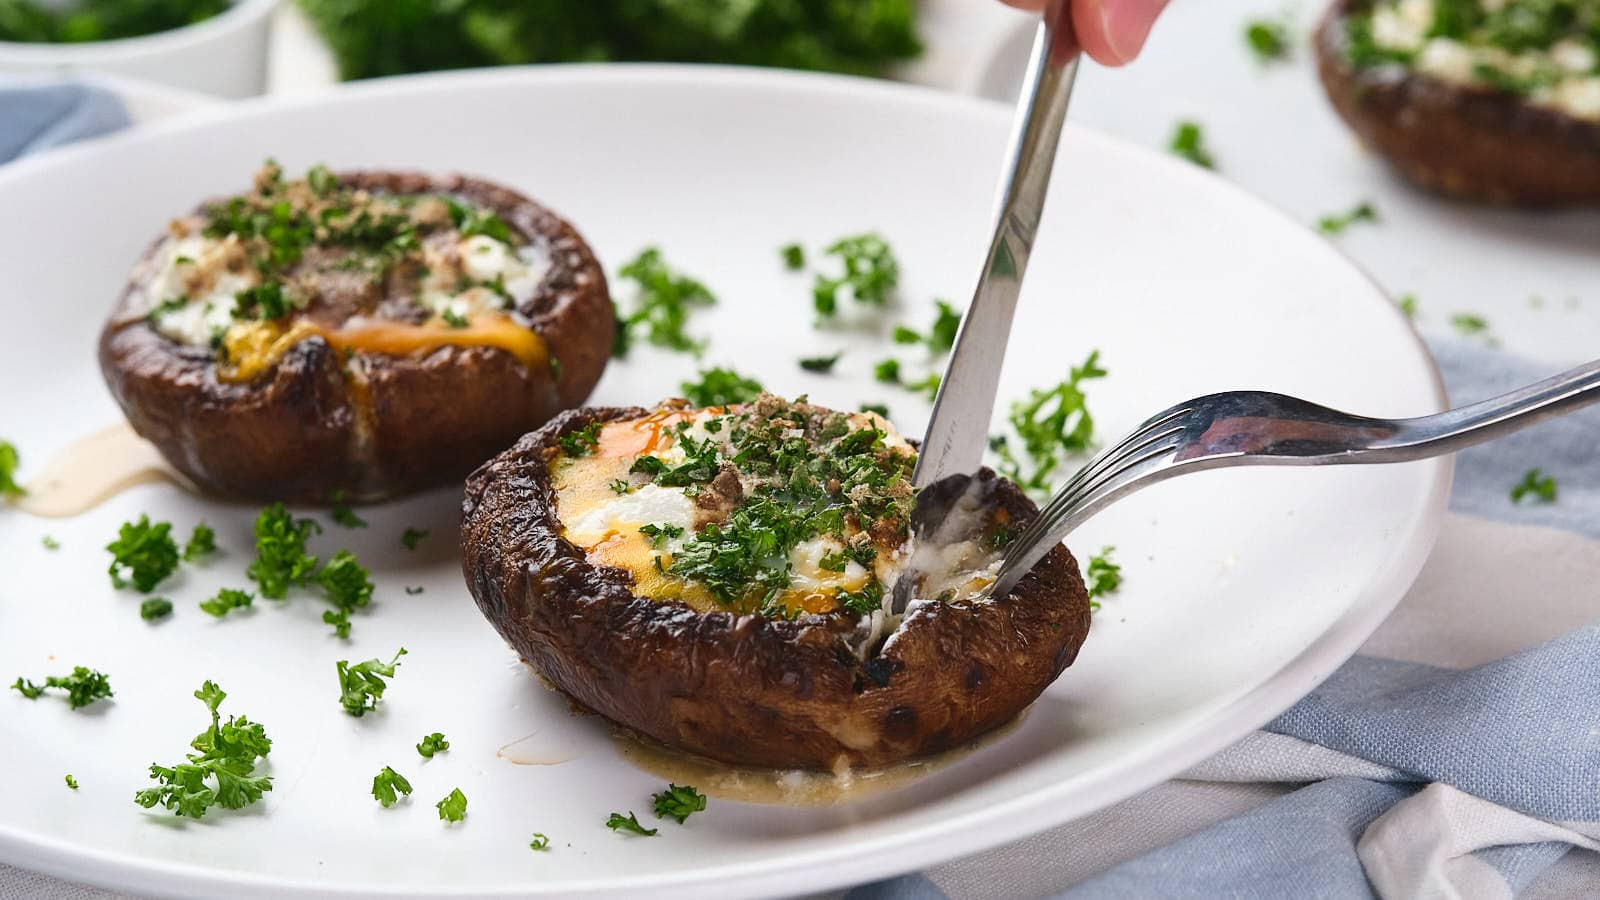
(959, 430)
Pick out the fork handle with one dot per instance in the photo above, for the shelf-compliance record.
(1486, 420)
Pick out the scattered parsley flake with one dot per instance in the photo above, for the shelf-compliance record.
(413, 590)
(342, 514)
(679, 802)
(820, 364)
(887, 371)
(663, 302)
(9, 459)
(582, 441)
(202, 542)
(154, 608)
(84, 686)
(940, 337)
(225, 600)
(1052, 424)
(794, 256)
(453, 808)
(72, 782)
(539, 842)
(361, 685)
(619, 485)
(1468, 324)
(348, 586)
(143, 554)
(1103, 575)
(660, 534)
(628, 823)
(388, 785)
(1408, 305)
(1268, 39)
(1535, 484)
(871, 272)
(50, 543)
(431, 744)
(929, 386)
(226, 753)
(1337, 223)
(881, 409)
(471, 220)
(721, 387)
(281, 559)
(1188, 141)
(412, 537)
(454, 319)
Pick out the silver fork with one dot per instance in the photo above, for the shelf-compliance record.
(1254, 428)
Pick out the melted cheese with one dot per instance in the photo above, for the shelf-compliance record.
(254, 347)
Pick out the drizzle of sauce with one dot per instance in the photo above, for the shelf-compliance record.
(790, 787)
(94, 469)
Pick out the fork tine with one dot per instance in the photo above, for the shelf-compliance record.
(1106, 459)
(1068, 501)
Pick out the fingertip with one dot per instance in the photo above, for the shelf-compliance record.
(1113, 32)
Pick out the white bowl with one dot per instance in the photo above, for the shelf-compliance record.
(225, 55)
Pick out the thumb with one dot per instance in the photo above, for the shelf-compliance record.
(1114, 31)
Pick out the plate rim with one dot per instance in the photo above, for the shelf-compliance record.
(828, 867)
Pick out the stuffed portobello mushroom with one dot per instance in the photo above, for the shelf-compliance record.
(354, 335)
(744, 583)
(1495, 100)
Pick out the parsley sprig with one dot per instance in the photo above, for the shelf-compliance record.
(143, 554)
(1053, 424)
(361, 686)
(1535, 485)
(9, 460)
(388, 785)
(870, 271)
(721, 387)
(629, 824)
(664, 300)
(1103, 576)
(453, 808)
(1339, 223)
(432, 744)
(221, 771)
(1189, 142)
(678, 802)
(83, 686)
(281, 558)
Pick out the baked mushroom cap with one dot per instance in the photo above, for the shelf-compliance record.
(1467, 117)
(781, 675)
(360, 334)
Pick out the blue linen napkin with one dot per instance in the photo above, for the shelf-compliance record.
(1428, 781)
(36, 116)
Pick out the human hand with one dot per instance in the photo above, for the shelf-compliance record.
(1111, 31)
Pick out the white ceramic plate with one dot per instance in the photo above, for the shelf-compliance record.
(1243, 589)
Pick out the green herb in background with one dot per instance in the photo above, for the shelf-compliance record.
(143, 554)
(1103, 576)
(372, 38)
(1408, 305)
(628, 823)
(432, 744)
(1535, 484)
(1337, 223)
(822, 365)
(1268, 39)
(412, 537)
(225, 600)
(84, 686)
(1468, 324)
(342, 514)
(871, 272)
(9, 488)
(794, 256)
(940, 337)
(721, 387)
(30, 21)
(1188, 141)
(1052, 424)
(155, 608)
(453, 808)
(388, 785)
(661, 309)
(226, 753)
(202, 542)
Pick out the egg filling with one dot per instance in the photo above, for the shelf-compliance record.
(1548, 52)
(367, 272)
(773, 507)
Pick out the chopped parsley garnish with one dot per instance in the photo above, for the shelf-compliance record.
(794, 256)
(9, 488)
(225, 600)
(940, 337)
(862, 602)
(84, 686)
(1188, 141)
(281, 559)
(1408, 305)
(72, 782)
(887, 371)
(348, 586)
(50, 543)
(881, 409)
(222, 770)
(1103, 576)
(628, 823)
(582, 441)
(661, 310)
(388, 785)
(619, 485)
(154, 608)
(264, 301)
(143, 554)
(202, 542)
(361, 685)
(820, 364)
(679, 802)
(928, 387)
(342, 514)
(1268, 39)
(431, 744)
(471, 220)
(539, 842)
(166, 308)
(412, 537)
(453, 318)
(721, 387)
(1337, 223)
(1534, 484)
(413, 590)
(453, 808)
(1468, 324)
(1052, 425)
(871, 272)
(660, 534)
